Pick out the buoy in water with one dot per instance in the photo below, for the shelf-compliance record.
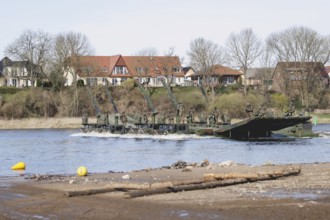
(82, 171)
(19, 166)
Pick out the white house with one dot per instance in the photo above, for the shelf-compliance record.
(98, 70)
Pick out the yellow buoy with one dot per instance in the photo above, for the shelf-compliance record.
(82, 171)
(19, 166)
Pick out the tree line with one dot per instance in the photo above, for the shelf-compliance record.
(50, 54)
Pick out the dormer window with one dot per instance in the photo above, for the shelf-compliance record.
(120, 70)
(104, 69)
(176, 69)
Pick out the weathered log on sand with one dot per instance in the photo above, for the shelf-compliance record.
(108, 188)
(253, 176)
(88, 192)
(189, 187)
(209, 183)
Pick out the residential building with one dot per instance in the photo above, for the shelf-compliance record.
(190, 76)
(293, 78)
(259, 77)
(113, 70)
(220, 75)
(16, 74)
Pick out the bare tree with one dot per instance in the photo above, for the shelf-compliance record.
(66, 50)
(67, 47)
(307, 49)
(299, 44)
(204, 54)
(150, 51)
(33, 47)
(243, 49)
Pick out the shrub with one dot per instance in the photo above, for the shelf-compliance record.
(128, 84)
(279, 101)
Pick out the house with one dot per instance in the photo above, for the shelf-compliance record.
(258, 77)
(15, 73)
(220, 75)
(190, 76)
(292, 78)
(113, 70)
(327, 69)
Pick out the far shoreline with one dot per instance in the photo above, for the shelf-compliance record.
(71, 123)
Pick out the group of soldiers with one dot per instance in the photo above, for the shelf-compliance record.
(180, 117)
(262, 111)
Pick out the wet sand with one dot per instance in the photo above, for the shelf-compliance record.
(303, 196)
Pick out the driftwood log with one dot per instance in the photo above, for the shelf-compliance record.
(210, 180)
(198, 186)
(217, 180)
(109, 188)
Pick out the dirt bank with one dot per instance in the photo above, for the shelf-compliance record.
(38, 123)
(303, 196)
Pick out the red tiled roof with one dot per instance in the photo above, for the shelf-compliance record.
(155, 66)
(222, 70)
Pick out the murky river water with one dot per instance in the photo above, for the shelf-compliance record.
(63, 151)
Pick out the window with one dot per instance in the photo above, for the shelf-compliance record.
(92, 81)
(176, 69)
(228, 80)
(120, 70)
(104, 69)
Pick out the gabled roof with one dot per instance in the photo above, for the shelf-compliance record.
(97, 63)
(152, 66)
(189, 71)
(6, 62)
(316, 66)
(224, 71)
(156, 65)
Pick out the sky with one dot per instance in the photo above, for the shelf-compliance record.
(128, 26)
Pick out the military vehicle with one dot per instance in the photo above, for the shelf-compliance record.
(260, 124)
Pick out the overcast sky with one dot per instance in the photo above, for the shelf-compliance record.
(127, 26)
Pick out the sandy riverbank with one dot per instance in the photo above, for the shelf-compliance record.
(38, 123)
(302, 196)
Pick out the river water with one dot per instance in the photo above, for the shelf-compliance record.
(53, 151)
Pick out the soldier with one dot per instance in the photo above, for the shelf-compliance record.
(291, 109)
(225, 118)
(85, 118)
(123, 118)
(249, 109)
(180, 112)
(170, 118)
(161, 118)
(190, 117)
(215, 114)
(144, 119)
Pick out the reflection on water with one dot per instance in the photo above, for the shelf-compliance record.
(62, 151)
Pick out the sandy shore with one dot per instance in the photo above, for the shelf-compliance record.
(302, 196)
